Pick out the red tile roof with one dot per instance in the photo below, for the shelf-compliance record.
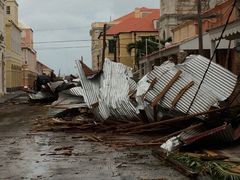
(129, 23)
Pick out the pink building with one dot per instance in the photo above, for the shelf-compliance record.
(29, 56)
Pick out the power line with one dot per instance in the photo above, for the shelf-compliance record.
(74, 40)
(61, 29)
(63, 41)
(214, 53)
(55, 48)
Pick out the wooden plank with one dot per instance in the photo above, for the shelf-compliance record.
(176, 119)
(152, 83)
(166, 88)
(164, 138)
(175, 164)
(180, 94)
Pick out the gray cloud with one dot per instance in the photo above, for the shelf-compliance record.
(52, 14)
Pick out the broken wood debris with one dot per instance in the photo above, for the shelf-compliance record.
(175, 164)
(123, 107)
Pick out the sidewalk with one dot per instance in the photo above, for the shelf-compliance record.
(10, 96)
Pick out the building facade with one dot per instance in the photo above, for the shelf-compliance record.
(97, 44)
(29, 56)
(175, 12)
(185, 38)
(135, 26)
(2, 48)
(13, 55)
(226, 54)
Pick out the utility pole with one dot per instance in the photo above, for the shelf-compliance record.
(135, 51)
(199, 17)
(147, 62)
(104, 43)
(149, 65)
(200, 33)
(115, 49)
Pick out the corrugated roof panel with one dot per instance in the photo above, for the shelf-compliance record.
(217, 86)
(111, 91)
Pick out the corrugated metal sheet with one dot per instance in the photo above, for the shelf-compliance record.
(224, 133)
(76, 91)
(90, 89)
(218, 84)
(69, 97)
(40, 95)
(111, 91)
(232, 31)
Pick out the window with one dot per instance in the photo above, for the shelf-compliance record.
(111, 45)
(8, 10)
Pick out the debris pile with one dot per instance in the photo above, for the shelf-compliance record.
(160, 104)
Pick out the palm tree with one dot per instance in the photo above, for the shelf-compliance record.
(140, 47)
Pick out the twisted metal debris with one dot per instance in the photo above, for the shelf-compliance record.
(110, 92)
(169, 85)
(218, 85)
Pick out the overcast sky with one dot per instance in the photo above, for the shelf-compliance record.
(63, 20)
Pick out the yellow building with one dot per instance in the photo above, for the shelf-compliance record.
(137, 25)
(2, 48)
(13, 55)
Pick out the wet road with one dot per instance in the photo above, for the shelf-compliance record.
(26, 155)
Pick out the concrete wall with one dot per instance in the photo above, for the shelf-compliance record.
(171, 10)
(13, 57)
(189, 29)
(13, 10)
(184, 31)
(97, 44)
(27, 38)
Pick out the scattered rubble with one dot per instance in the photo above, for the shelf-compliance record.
(159, 107)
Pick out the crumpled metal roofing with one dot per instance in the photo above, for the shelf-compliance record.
(110, 91)
(69, 96)
(217, 86)
(221, 134)
(89, 88)
(40, 95)
(108, 95)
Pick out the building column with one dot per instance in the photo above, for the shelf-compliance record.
(2, 73)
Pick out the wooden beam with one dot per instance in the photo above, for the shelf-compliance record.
(176, 119)
(180, 94)
(166, 88)
(175, 164)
